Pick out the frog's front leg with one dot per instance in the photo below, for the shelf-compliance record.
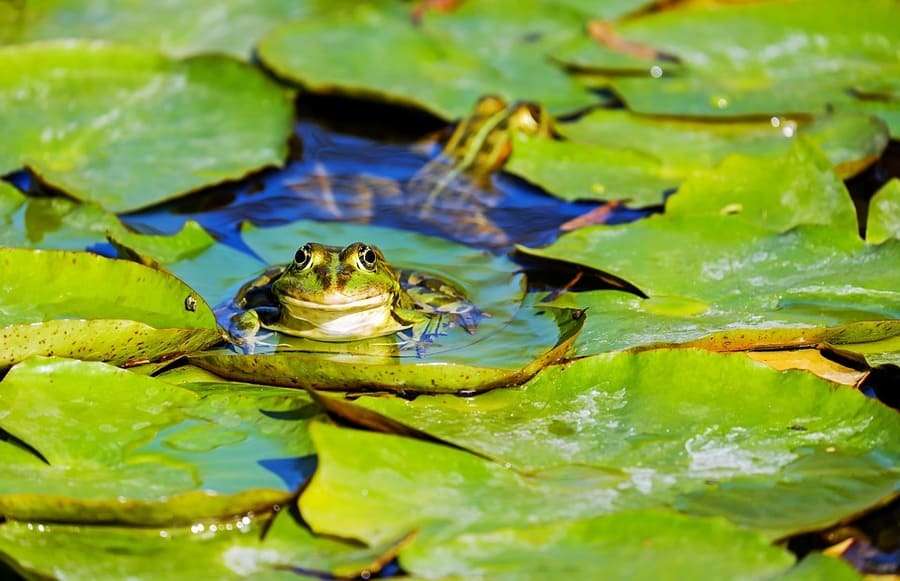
(422, 333)
(243, 330)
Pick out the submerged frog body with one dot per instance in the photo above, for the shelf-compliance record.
(452, 192)
(328, 293)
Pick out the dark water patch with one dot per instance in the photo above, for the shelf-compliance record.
(347, 178)
(865, 184)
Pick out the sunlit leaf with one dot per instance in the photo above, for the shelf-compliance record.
(708, 433)
(233, 549)
(748, 255)
(146, 452)
(884, 214)
(617, 155)
(632, 545)
(75, 304)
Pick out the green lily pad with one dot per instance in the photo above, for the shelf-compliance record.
(884, 214)
(632, 545)
(80, 305)
(816, 566)
(764, 58)
(127, 128)
(706, 433)
(751, 254)
(618, 155)
(147, 452)
(234, 549)
(178, 28)
(443, 64)
(63, 224)
(509, 346)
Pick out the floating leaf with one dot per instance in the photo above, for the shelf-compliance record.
(735, 260)
(178, 28)
(884, 214)
(443, 65)
(128, 128)
(764, 58)
(617, 155)
(708, 433)
(146, 452)
(509, 346)
(212, 550)
(80, 305)
(632, 545)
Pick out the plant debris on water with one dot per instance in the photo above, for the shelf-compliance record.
(449, 289)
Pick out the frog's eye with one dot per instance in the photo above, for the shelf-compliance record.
(367, 257)
(303, 257)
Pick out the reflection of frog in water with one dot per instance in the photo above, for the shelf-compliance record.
(452, 192)
(337, 294)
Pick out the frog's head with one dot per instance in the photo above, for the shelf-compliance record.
(330, 276)
(339, 293)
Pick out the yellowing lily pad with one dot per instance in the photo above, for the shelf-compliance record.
(147, 452)
(76, 304)
(618, 155)
(764, 58)
(127, 128)
(745, 256)
(178, 28)
(443, 64)
(707, 433)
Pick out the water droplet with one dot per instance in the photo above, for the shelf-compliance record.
(720, 102)
(776, 121)
(164, 534)
(656, 71)
(789, 129)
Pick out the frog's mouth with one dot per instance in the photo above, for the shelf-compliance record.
(361, 318)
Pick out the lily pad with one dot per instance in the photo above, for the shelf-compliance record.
(509, 346)
(443, 64)
(127, 128)
(743, 257)
(81, 305)
(706, 433)
(884, 214)
(618, 155)
(60, 223)
(234, 549)
(632, 545)
(764, 58)
(147, 452)
(177, 28)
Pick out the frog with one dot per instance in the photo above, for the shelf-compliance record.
(452, 192)
(350, 293)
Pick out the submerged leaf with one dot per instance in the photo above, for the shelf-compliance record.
(884, 214)
(128, 128)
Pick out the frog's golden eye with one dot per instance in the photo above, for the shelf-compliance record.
(303, 256)
(367, 257)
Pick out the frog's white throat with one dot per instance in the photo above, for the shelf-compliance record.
(370, 317)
